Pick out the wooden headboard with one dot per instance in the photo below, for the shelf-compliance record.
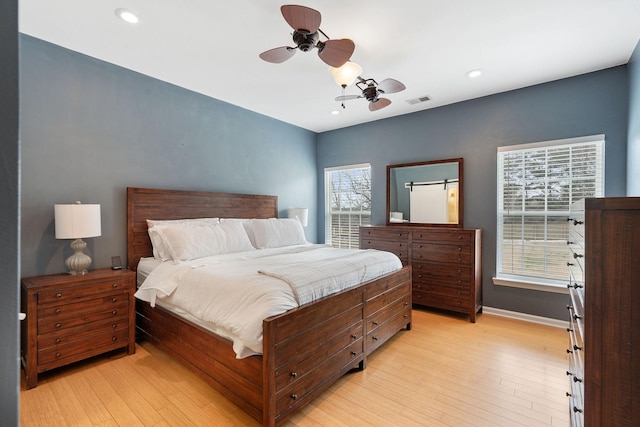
(151, 203)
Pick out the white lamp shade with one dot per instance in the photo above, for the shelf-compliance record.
(346, 74)
(301, 213)
(77, 221)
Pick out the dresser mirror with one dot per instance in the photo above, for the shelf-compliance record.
(425, 193)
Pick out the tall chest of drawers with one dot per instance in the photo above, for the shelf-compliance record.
(73, 317)
(446, 263)
(604, 311)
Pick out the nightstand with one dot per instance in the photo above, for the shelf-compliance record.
(73, 317)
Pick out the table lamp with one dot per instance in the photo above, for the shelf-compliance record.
(77, 221)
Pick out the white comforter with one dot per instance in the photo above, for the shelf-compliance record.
(230, 295)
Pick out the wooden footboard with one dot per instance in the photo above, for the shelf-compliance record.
(305, 350)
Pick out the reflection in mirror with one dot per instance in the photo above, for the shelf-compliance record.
(425, 193)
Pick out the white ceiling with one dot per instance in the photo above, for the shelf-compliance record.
(212, 47)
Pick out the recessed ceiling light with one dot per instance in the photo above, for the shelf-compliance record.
(127, 15)
(335, 112)
(474, 73)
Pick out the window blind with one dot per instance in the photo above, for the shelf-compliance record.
(536, 185)
(347, 204)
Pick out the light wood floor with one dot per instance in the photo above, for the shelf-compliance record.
(444, 372)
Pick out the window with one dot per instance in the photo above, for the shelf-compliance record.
(536, 185)
(347, 204)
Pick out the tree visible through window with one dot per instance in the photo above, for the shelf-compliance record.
(347, 204)
(537, 183)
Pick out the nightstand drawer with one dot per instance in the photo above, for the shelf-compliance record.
(65, 294)
(65, 336)
(83, 317)
(64, 311)
(114, 338)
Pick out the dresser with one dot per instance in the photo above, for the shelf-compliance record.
(446, 263)
(604, 314)
(73, 317)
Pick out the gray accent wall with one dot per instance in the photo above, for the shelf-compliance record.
(595, 103)
(90, 129)
(9, 213)
(633, 152)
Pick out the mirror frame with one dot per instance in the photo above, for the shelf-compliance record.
(426, 163)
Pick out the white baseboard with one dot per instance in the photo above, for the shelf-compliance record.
(526, 317)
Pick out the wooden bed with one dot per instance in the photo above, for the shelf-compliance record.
(305, 349)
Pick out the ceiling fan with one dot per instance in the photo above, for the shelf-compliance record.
(371, 91)
(306, 35)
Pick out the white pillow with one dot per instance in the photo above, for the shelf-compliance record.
(275, 233)
(159, 250)
(200, 240)
(246, 223)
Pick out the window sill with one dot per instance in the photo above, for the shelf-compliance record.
(535, 286)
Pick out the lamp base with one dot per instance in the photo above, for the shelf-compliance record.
(79, 262)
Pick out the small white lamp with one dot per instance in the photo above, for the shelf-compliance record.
(302, 214)
(77, 221)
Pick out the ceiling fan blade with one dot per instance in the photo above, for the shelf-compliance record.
(380, 103)
(278, 55)
(390, 86)
(336, 52)
(301, 17)
(347, 97)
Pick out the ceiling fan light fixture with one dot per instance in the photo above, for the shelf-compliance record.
(347, 74)
(127, 15)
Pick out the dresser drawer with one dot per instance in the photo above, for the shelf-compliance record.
(442, 236)
(399, 294)
(106, 338)
(455, 275)
(439, 300)
(386, 233)
(400, 249)
(67, 294)
(426, 252)
(454, 290)
(388, 312)
(84, 317)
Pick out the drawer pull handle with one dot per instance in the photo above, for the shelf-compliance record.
(353, 353)
(114, 326)
(57, 311)
(114, 312)
(58, 295)
(375, 338)
(115, 285)
(114, 299)
(577, 347)
(576, 379)
(58, 355)
(58, 325)
(576, 317)
(114, 339)
(569, 330)
(570, 264)
(406, 303)
(576, 256)
(459, 249)
(577, 410)
(569, 242)
(294, 396)
(294, 374)
(58, 340)
(375, 323)
(405, 316)
(569, 351)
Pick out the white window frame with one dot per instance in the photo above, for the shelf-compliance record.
(524, 281)
(328, 212)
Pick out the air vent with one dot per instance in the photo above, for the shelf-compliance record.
(418, 100)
